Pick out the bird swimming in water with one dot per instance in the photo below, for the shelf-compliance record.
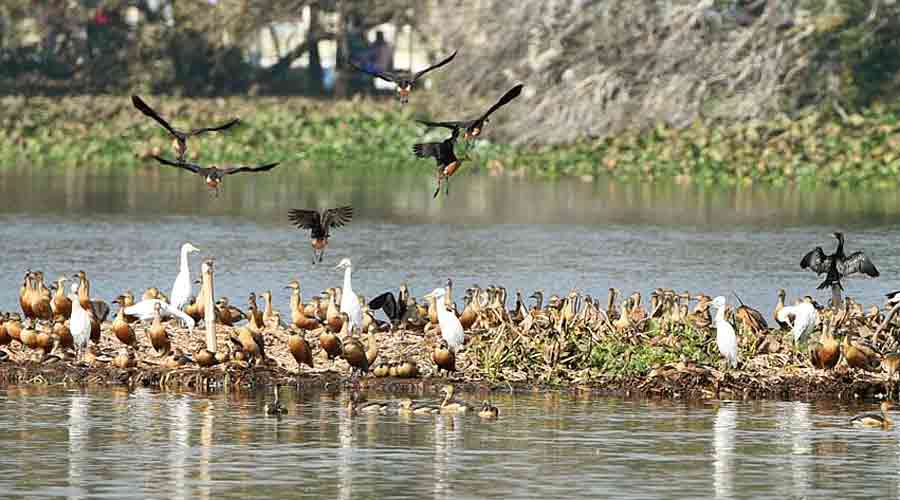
(726, 339)
(180, 137)
(320, 224)
(472, 128)
(275, 408)
(802, 319)
(215, 174)
(181, 289)
(838, 265)
(403, 79)
(881, 419)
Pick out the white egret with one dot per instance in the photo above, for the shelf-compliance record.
(349, 300)
(725, 337)
(145, 311)
(804, 321)
(79, 325)
(181, 289)
(451, 329)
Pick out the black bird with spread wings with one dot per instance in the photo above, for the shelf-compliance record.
(443, 154)
(320, 224)
(473, 128)
(394, 308)
(213, 173)
(403, 79)
(180, 137)
(838, 265)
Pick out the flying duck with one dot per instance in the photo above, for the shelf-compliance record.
(403, 79)
(320, 224)
(213, 173)
(180, 137)
(473, 128)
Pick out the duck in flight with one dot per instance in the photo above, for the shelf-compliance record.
(213, 173)
(473, 128)
(179, 137)
(403, 79)
(320, 224)
(838, 265)
(443, 154)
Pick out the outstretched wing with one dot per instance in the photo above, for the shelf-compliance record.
(305, 219)
(858, 262)
(237, 169)
(336, 217)
(224, 126)
(384, 76)
(427, 149)
(387, 303)
(193, 167)
(452, 125)
(418, 75)
(508, 96)
(147, 110)
(815, 261)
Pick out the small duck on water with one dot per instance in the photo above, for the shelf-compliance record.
(275, 408)
(488, 410)
(877, 420)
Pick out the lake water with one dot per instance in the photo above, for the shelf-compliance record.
(124, 228)
(144, 444)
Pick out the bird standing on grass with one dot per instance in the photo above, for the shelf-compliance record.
(726, 339)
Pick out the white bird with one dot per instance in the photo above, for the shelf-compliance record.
(725, 337)
(79, 325)
(349, 300)
(804, 321)
(181, 289)
(451, 328)
(145, 311)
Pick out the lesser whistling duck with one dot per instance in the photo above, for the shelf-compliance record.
(353, 350)
(127, 300)
(881, 419)
(121, 329)
(825, 353)
(408, 369)
(14, 327)
(406, 406)
(778, 306)
(181, 288)
(5, 339)
(838, 265)
(61, 304)
(25, 296)
(125, 359)
(179, 137)
(254, 316)
(333, 314)
(299, 318)
(204, 358)
(891, 363)
(98, 308)
(40, 299)
(176, 360)
(63, 336)
(271, 317)
(300, 349)
(28, 336)
(488, 410)
(250, 342)
(449, 405)
(444, 156)
(750, 317)
(404, 80)
(275, 408)
(472, 128)
(444, 358)
(214, 174)
(859, 354)
(159, 339)
(319, 225)
(382, 370)
(228, 314)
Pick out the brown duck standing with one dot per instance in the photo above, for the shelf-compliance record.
(300, 349)
(298, 312)
(826, 352)
(61, 304)
(25, 296)
(354, 351)
(63, 335)
(121, 329)
(444, 358)
(159, 339)
(859, 354)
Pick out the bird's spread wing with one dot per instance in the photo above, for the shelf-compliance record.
(187, 166)
(305, 219)
(237, 169)
(387, 303)
(815, 261)
(427, 149)
(508, 96)
(224, 126)
(336, 217)
(452, 125)
(418, 75)
(858, 262)
(384, 76)
(147, 110)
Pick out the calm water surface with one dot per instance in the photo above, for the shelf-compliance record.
(74, 444)
(125, 226)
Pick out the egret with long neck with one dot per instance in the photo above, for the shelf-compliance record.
(349, 300)
(726, 340)
(181, 289)
(451, 329)
(79, 325)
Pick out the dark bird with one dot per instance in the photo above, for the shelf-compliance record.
(394, 308)
(403, 79)
(180, 137)
(473, 128)
(443, 154)
(750, 317)
(838, 265)
(213, 173)
(320, 224)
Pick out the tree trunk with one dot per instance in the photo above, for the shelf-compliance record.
(314, 70)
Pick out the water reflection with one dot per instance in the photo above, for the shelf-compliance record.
(79, 428)
(178, 456)
(724, 427)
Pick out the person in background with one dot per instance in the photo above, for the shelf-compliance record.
(382, 53)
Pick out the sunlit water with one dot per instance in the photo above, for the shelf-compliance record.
(125, 226)
(116, 444)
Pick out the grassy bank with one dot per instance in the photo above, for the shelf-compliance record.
(109, 132)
